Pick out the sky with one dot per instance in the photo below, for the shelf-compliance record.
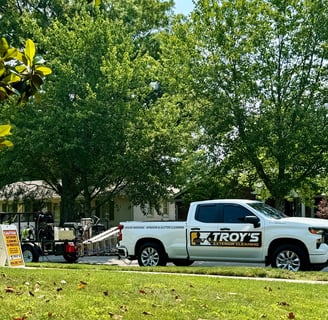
(183, 6)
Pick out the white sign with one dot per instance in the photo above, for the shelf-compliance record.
(10, 248)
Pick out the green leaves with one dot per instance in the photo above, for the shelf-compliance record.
(23, 76)
(5, 131)
(261, 75)
(103, 121)
(29, 52)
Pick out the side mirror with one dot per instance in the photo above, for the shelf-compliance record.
(253, 220)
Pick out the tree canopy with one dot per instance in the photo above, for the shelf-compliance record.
(259, 74)
(102, 126)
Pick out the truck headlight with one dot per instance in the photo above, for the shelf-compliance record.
(316, 230)
(320, 232)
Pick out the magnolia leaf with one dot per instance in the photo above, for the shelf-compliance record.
(21, 68)
(44, 71)
(5, 130)
(29, 51)
(3, 46)
(23, 78)
(11, 78)
(6, 143)
(10, 54)
(13, 90)
(2, 71)
(19, 56)
(36, 81)
(3, 93)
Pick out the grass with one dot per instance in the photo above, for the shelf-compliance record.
(76, 291)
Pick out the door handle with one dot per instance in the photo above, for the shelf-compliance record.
(197, 229)
(225, 229)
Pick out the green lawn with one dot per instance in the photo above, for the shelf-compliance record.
(64, 291)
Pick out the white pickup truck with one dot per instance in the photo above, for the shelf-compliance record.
(228, 230)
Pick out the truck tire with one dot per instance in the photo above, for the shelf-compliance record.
(71, 257)
(151, 254)
(290, 257)
(182, 262)
(30, 254)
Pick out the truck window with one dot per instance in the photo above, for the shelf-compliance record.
(208, 213)
(233, 213)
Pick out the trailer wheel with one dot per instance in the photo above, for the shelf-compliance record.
(182, 262)
(71, 257)
(151, 254)
(30, 254)
(290, 257)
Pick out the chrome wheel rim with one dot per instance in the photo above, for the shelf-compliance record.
(288, 260)
(149, 257)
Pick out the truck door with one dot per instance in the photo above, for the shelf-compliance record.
(223, 231)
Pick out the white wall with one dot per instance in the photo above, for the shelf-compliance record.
(167, 207)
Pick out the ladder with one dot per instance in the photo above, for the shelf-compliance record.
(102, 244)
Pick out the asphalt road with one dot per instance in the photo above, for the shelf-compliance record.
(114, 261)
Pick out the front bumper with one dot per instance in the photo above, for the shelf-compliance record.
(320, 256)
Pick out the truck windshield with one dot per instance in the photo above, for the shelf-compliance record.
(267, 210)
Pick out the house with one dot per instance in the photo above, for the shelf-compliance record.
(31, 196)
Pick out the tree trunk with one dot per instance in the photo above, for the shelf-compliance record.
(68, 197)
(67, 208)
(279, 203)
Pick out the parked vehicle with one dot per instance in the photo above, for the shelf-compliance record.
(39, 237)
(228, 230)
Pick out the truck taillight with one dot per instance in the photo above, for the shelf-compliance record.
(120, 236)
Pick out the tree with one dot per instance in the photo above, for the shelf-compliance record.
(260, 70)
(103, 125)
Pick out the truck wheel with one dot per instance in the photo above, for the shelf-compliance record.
(151, 255)
(182, 262)
(290, 257)
(29, 253)
(70, 257)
